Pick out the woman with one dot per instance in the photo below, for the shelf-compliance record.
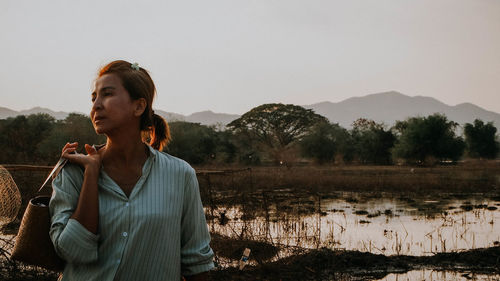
(127, 211)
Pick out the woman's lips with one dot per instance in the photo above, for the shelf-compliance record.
(98, 119)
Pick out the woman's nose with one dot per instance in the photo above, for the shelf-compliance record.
(97, 104)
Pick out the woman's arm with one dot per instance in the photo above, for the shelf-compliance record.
(87, 210)
(74, 209)
(196, 254)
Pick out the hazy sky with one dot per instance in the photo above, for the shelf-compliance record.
(230, 56)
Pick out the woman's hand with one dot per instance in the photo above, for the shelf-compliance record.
(90, 161)
(87, 210)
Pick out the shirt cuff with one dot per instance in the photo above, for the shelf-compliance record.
(199, 268)
(77, 243)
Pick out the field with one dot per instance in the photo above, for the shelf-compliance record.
(309, 222)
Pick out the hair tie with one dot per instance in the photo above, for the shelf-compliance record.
(135, 66)
(152, 112)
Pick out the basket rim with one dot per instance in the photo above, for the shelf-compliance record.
(42, 199)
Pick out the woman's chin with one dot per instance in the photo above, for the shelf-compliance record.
(99, 130)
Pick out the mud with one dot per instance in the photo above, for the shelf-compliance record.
(325, 264)
(315, 264)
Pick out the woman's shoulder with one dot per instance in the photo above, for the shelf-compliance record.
(68, 176)
(70, 170)
(170, 161)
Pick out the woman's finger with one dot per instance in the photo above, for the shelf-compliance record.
(64, 147)
(90, 149)
(69, 145)
(68, 151)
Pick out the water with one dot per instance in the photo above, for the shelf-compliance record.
(394, 227)
(435, 275)
(381, 225)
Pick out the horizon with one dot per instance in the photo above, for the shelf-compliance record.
(231, 56)
(303, 105)
(218, 112)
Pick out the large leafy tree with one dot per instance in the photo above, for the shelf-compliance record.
(276, 127)
(426, 139)
(481, 139)
(371, 142)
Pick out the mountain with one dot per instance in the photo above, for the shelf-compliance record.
(170, 116)
(204, 117)
(6, 112)
(388, 107)
(210, 118)
(34, 110)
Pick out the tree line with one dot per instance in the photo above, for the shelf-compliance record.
(270, 133)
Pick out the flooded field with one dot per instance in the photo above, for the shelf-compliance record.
(379, 223)
(382, 224)
(339, 223)
(372, 224)
(435, 275)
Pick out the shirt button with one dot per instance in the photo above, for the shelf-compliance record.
(127, 204)
(125, 234)
(118, 261)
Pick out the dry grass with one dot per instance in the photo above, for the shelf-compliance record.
(473, 176)
(468, 177)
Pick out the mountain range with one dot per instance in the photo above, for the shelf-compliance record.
(386, 108)
(6, 112)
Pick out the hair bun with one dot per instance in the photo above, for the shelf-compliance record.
(160, 132)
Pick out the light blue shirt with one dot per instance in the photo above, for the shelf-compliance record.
(158, 233)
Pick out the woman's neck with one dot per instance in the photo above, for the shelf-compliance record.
(125, 151)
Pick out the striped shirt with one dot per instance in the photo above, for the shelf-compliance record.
(157, 233)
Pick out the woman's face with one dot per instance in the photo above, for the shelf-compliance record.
(112, 108)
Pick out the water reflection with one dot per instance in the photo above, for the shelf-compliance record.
(382, 224)
(434, 275)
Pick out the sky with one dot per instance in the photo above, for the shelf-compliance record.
(229, 56)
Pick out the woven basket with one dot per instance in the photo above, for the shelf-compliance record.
(33, 245)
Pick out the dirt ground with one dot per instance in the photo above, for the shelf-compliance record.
(325, 264)
(320, 264)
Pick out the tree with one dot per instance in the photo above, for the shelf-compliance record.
(276, 126)
(426, 139)
(192, 142)
(372, 143)
(74, 128)
(480, 139)
(21, 137)
(246, 148)
(325, 142)
(226, 148)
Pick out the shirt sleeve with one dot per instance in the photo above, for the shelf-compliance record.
(196, 254)
(72, 241)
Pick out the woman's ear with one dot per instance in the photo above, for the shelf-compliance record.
(140, 106)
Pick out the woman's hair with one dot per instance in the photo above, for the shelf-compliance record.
(138, 83)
